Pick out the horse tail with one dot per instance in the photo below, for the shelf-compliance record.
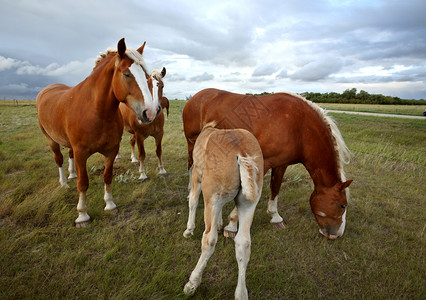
(248, 176)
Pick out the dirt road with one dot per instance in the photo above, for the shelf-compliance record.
(376, 114)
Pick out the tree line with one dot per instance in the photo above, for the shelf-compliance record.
(353, 97)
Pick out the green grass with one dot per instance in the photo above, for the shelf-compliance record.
(140, 252)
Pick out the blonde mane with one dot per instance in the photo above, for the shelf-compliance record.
(342, 151)
(131, 53)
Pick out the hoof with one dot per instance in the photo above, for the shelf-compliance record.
(189, 289)
(187, 233)
(142, 179)
(279, 225)
(229, 234)
(72, 176)
(82, 224)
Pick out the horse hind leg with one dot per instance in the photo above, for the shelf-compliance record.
(208, 244)
(246, 209)
(59, 159)
(193, 197)
(71, 165)
(141, 148)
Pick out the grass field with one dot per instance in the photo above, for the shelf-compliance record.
(140, 252)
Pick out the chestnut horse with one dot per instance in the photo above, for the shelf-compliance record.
(290, 130)
(164, 102)
(86, 118)
(228, 165)
(142, 131)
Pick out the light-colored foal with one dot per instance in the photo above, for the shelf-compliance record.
(228, 164)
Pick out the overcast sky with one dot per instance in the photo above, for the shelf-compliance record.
(244, 46)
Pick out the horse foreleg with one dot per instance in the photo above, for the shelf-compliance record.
(71, 165)
(159, 152)
(141, 148)
(132, 145)
(109, 163)
(82, 185)
(193, 198)
(276, 180)
(208, 244)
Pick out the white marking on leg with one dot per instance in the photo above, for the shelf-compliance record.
(110, 205)
(82, 209)
(273, 211)
(208, 245)
(118, 156)
(133, 156)
(160, 166)
(193, 198)
(62, 178)
(243, 245)
(71, 169)
(142, 171)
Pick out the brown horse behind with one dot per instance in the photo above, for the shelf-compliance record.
(86, 118)
(290, 130)
(228, 165)
(141, 131)
(164, 102)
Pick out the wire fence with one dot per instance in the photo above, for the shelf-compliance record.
(17, 102)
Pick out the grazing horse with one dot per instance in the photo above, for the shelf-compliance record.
(164, 102)
(228, 165)
(142, 131)
(86, 118)
(290, 130)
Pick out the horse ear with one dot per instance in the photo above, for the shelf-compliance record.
(140, 50)
(163, 72)
(121, 47)
(345, 184)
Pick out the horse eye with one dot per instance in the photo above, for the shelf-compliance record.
(342, 206)
(127, 75)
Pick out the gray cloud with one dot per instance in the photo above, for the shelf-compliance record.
(203, 77)
(304, 41)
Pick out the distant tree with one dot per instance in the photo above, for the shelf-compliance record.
(349, 94)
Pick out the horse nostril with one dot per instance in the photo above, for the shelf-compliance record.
(144, 117)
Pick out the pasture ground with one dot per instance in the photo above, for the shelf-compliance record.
(140, 253)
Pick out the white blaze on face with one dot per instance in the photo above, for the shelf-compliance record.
(342, 226)
(155, 99)
(140, 78)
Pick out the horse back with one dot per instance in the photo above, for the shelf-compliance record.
(277, 121)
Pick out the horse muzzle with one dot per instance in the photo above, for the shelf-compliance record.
(148, 115)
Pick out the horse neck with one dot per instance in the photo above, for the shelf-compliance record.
(100, 83)
(322, 163)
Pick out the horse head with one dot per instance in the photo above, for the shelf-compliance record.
(156, 85)
(328, 205)
(129, 82)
